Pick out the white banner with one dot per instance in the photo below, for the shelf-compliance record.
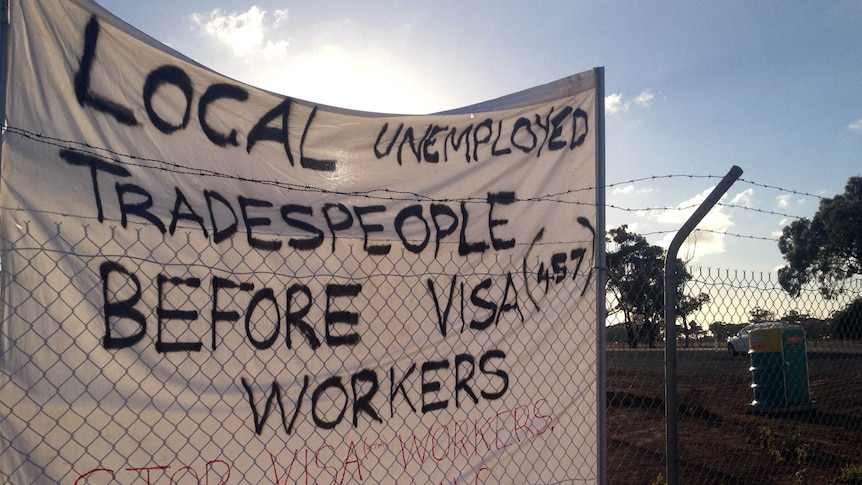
(204, 282)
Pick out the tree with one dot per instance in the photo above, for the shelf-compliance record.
(826, 249)
(720, 331)
(760, 315)
(636, 281)
(635, 275)
(795, 317)
(688, 305)
(847, 323)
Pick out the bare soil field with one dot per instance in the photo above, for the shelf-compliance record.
(718, 441)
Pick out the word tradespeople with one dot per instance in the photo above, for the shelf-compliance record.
(557, 128)
(133, 200)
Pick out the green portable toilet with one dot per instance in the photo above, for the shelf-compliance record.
(779, 369)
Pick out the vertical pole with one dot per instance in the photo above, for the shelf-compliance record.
(4, 57)
(671, 279)
(599, 251)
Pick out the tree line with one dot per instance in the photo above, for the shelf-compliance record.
(825, 250)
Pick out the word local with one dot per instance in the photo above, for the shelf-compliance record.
(560, 128)
(174, 76)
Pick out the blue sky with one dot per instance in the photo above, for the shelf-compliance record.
(692, 88)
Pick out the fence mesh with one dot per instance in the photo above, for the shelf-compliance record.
(118, 394)
(727, 433)
(723, 436)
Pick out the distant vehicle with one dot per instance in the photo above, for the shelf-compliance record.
(738, 344)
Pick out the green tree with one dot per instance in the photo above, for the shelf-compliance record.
(795, 317)
(759, 315)
(847, 323)
(826, 249)
(686, 306)
(635, 275)
(719, 331)
(636, 280)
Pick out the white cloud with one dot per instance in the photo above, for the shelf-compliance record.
(339, 64)
(708, 238)
(743, 198)
(682, 211)
(280, 17)
(628, 189)
(644, 99)
(783, 200)
(856, 125)
(359, 77)
(246, 33)
(614, 103)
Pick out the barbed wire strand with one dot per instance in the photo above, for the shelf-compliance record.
(394, 195)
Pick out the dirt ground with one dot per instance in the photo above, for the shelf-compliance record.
(718, 441)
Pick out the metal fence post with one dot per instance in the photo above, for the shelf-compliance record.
(4, 56)
(601, 267)
(670, 300)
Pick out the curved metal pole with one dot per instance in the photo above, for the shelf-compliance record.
(670, 300)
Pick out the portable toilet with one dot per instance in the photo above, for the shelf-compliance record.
(779, 369)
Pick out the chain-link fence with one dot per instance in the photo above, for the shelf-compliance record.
(723, 436)
(205, 282)
(245, 366)
(729, 430)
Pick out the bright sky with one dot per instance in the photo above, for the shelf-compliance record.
(693, 87)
